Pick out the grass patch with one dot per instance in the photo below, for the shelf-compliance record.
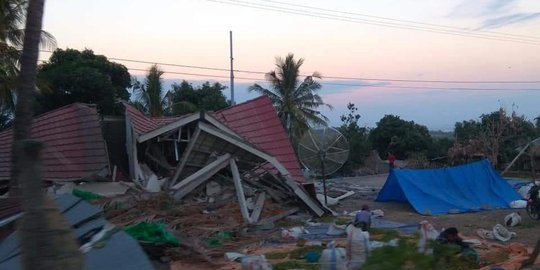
(383, 235)
(276, 255)
(405, 256)
(300, 252)
(296, 265)
(287, 223)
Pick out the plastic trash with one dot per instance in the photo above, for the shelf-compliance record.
(485, 234)
(524, 191)
(293, 232)
(333, 258)
(312, 256)
(512, 219)
(85, 195)
(427, 232)
(233, 256)
(377, 213)
(357, 247)
(334, 230)
(518, 204)
(501, 233)
(218, 239)
(255, 263)
(152, 233)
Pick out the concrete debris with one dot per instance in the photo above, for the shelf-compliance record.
(213, 188)
(333, 201)
(294, 232)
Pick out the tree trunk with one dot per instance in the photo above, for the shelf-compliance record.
(46, 239)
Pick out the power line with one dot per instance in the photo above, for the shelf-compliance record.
(362, 85)
(403, 21)
(330, 77)
(305, 75)
(460, 32)
(371, 22)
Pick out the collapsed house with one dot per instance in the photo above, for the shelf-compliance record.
(75, 149)
(243, 146)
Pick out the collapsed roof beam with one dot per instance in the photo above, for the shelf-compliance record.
(240, 192)
(185, 156)
(182, 122)
(169, 127)
(193, 181)
(312, 204)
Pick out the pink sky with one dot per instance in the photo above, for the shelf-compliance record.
(195, 32)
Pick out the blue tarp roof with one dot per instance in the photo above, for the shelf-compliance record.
(466, 188)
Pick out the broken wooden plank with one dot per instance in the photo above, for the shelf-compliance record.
(279, 216)
(193, 181)
(312, 204)
(158, 162)
(258, 208)
(169, 127)
(185, 156)
(239, 191)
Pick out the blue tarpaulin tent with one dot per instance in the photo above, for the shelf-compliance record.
(466, 188)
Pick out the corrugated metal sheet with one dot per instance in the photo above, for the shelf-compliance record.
(256, 121)
(74, 143)
(9, 207)
(121, 252)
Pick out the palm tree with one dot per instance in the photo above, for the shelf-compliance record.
(296, 101)
(12, 17)
(150, 94)
(46, 239)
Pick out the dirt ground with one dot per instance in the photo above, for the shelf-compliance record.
(527, 233)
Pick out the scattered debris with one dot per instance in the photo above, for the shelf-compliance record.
(333, 258)
(512, 219)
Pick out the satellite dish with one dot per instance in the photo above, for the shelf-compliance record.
(323, 151)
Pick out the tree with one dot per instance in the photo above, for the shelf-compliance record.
(12, 18)
(357, 137)
(6, 117)
(400, 137)
(184, 98)
(498, 132)
(150, 94)
(537, 124)
(296, 101)
(81, 76)
(46, 239)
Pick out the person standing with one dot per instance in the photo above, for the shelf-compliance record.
(391, 160)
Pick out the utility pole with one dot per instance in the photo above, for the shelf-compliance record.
(232, 70)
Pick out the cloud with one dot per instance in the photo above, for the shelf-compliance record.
(469, 8)
(508, 20)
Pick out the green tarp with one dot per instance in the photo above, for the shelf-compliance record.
(152, 233)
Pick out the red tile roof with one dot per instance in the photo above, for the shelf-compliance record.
(256, 121)
(144, 124)
(74, 143)
(141, 123)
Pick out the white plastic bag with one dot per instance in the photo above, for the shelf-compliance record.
(294, 232)
(333, 258)
(427, 232)
(517, 204)
(357, 247)
(502, 234)
(512, 219)
(255, 263)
